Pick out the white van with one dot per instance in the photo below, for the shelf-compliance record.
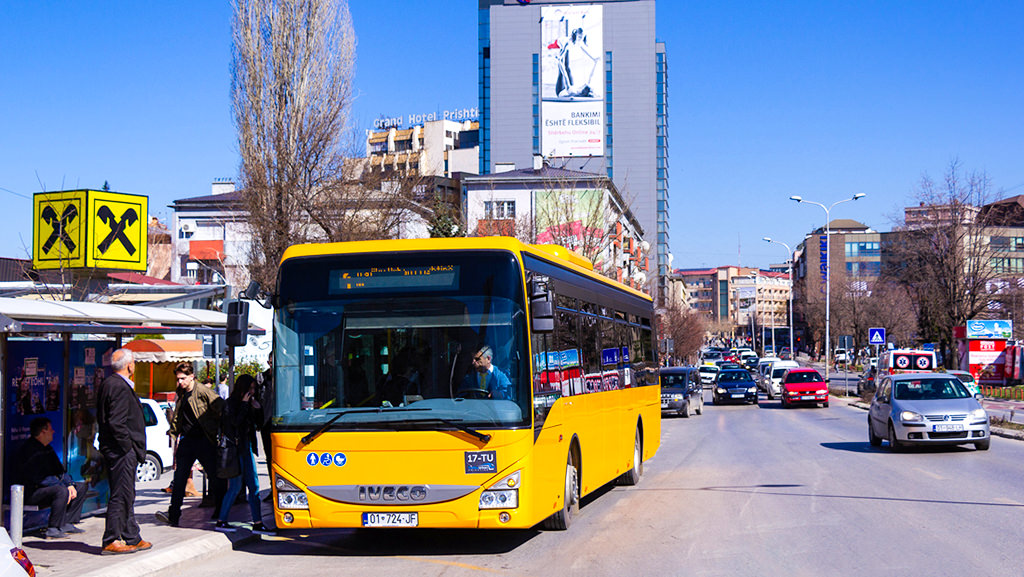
(773, 380)
(762, 369)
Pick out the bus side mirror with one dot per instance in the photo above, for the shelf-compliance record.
(542, 314)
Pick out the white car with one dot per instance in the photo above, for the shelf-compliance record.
(841, 356)
(159, 451)
(13, 563)
(773, 376)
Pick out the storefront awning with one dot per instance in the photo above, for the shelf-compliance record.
(27, 317)
(165, 351)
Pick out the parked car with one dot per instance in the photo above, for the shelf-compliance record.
(734, 385)
(803, 386)
(15, 563)
(968, 380)
(773, 381)
(926, 409)
(159, 450)
(681, 391)
(708, 374)
(866, 382)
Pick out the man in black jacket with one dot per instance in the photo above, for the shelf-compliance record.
(47, 483)
(122, 436)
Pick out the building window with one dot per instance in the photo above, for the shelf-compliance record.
(854, 249)
(500, 209)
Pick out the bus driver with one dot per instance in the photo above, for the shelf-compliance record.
(486, 378)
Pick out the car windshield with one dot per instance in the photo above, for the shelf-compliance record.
(930, 390)
(708, 369)
(673, 379)
(712, 355)
(804, 377)
(965, 378)
(777, 373)
(734, 377)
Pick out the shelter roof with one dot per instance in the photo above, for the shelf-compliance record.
(165, 351)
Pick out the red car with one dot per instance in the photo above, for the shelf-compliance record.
(803, 385)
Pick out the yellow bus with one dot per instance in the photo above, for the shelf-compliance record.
(455, 383)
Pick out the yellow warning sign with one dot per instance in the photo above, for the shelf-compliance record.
(58, 238)
(118, 228)
(90, 229)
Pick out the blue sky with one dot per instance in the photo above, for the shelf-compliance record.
(818, 99)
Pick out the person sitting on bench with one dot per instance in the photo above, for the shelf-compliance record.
(47, 483)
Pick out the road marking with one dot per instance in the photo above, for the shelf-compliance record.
(930, 474)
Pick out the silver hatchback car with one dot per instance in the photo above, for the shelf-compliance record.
(926, 409)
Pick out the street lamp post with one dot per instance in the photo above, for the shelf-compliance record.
(792, 349)
(828, 264)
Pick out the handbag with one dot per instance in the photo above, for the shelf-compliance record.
(228, 465)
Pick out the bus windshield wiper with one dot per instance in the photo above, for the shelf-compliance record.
(482, 436)
(316, 432)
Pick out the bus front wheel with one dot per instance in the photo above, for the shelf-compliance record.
(561, 520)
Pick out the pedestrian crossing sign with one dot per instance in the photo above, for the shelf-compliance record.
(876, 336)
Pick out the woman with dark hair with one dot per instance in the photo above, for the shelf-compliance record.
(242, 413)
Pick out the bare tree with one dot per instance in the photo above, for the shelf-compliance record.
(943, 256)
(292, 67)
(687, 329)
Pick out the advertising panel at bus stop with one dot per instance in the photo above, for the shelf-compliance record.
(981, 349)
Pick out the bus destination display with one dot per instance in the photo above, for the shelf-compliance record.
(394, 278)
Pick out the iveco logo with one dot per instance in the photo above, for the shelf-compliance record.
(392, 492)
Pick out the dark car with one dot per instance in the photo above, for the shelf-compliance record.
(866, 384)
(786, 354)
(734, 385)
(750, 362)
(681, 391)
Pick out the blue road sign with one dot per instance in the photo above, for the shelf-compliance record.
(876, 336)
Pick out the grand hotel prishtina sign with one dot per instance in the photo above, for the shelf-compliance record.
(572, 80)
(90, 229)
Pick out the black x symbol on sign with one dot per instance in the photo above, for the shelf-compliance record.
(59, 224)
(117, 228)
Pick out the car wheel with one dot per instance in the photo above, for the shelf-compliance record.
(874, 439)
(148, 470)
(561, 520)
(700, 405)
(685, 413)
(894, 443)
(983, 445)
(770, 394)
(824, 405)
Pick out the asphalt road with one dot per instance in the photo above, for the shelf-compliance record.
(740, 490)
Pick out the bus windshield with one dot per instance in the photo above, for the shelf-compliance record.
(420, 340)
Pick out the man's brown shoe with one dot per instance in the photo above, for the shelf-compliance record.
(143, 545)
(119, 547)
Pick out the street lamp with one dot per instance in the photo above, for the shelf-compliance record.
(828, 264)
(792, 349)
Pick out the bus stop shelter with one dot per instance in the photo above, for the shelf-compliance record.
(53, 356)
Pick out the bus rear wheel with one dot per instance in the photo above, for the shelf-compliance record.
(632, 476)
(561, 520)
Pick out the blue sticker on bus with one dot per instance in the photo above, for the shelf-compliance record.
(481, 462)
(312, 459)
(326, 459)
(340, 459)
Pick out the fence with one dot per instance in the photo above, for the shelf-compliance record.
(1008, 393)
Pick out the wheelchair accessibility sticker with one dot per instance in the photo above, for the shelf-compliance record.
(326, 459)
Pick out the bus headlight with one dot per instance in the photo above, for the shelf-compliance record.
(502, 495)
(289, 496)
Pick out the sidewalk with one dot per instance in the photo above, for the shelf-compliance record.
(79, 555)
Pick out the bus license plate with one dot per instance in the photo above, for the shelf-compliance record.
(391, 519)
(947, 428)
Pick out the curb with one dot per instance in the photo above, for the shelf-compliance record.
(995, 431)
(181, 553)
